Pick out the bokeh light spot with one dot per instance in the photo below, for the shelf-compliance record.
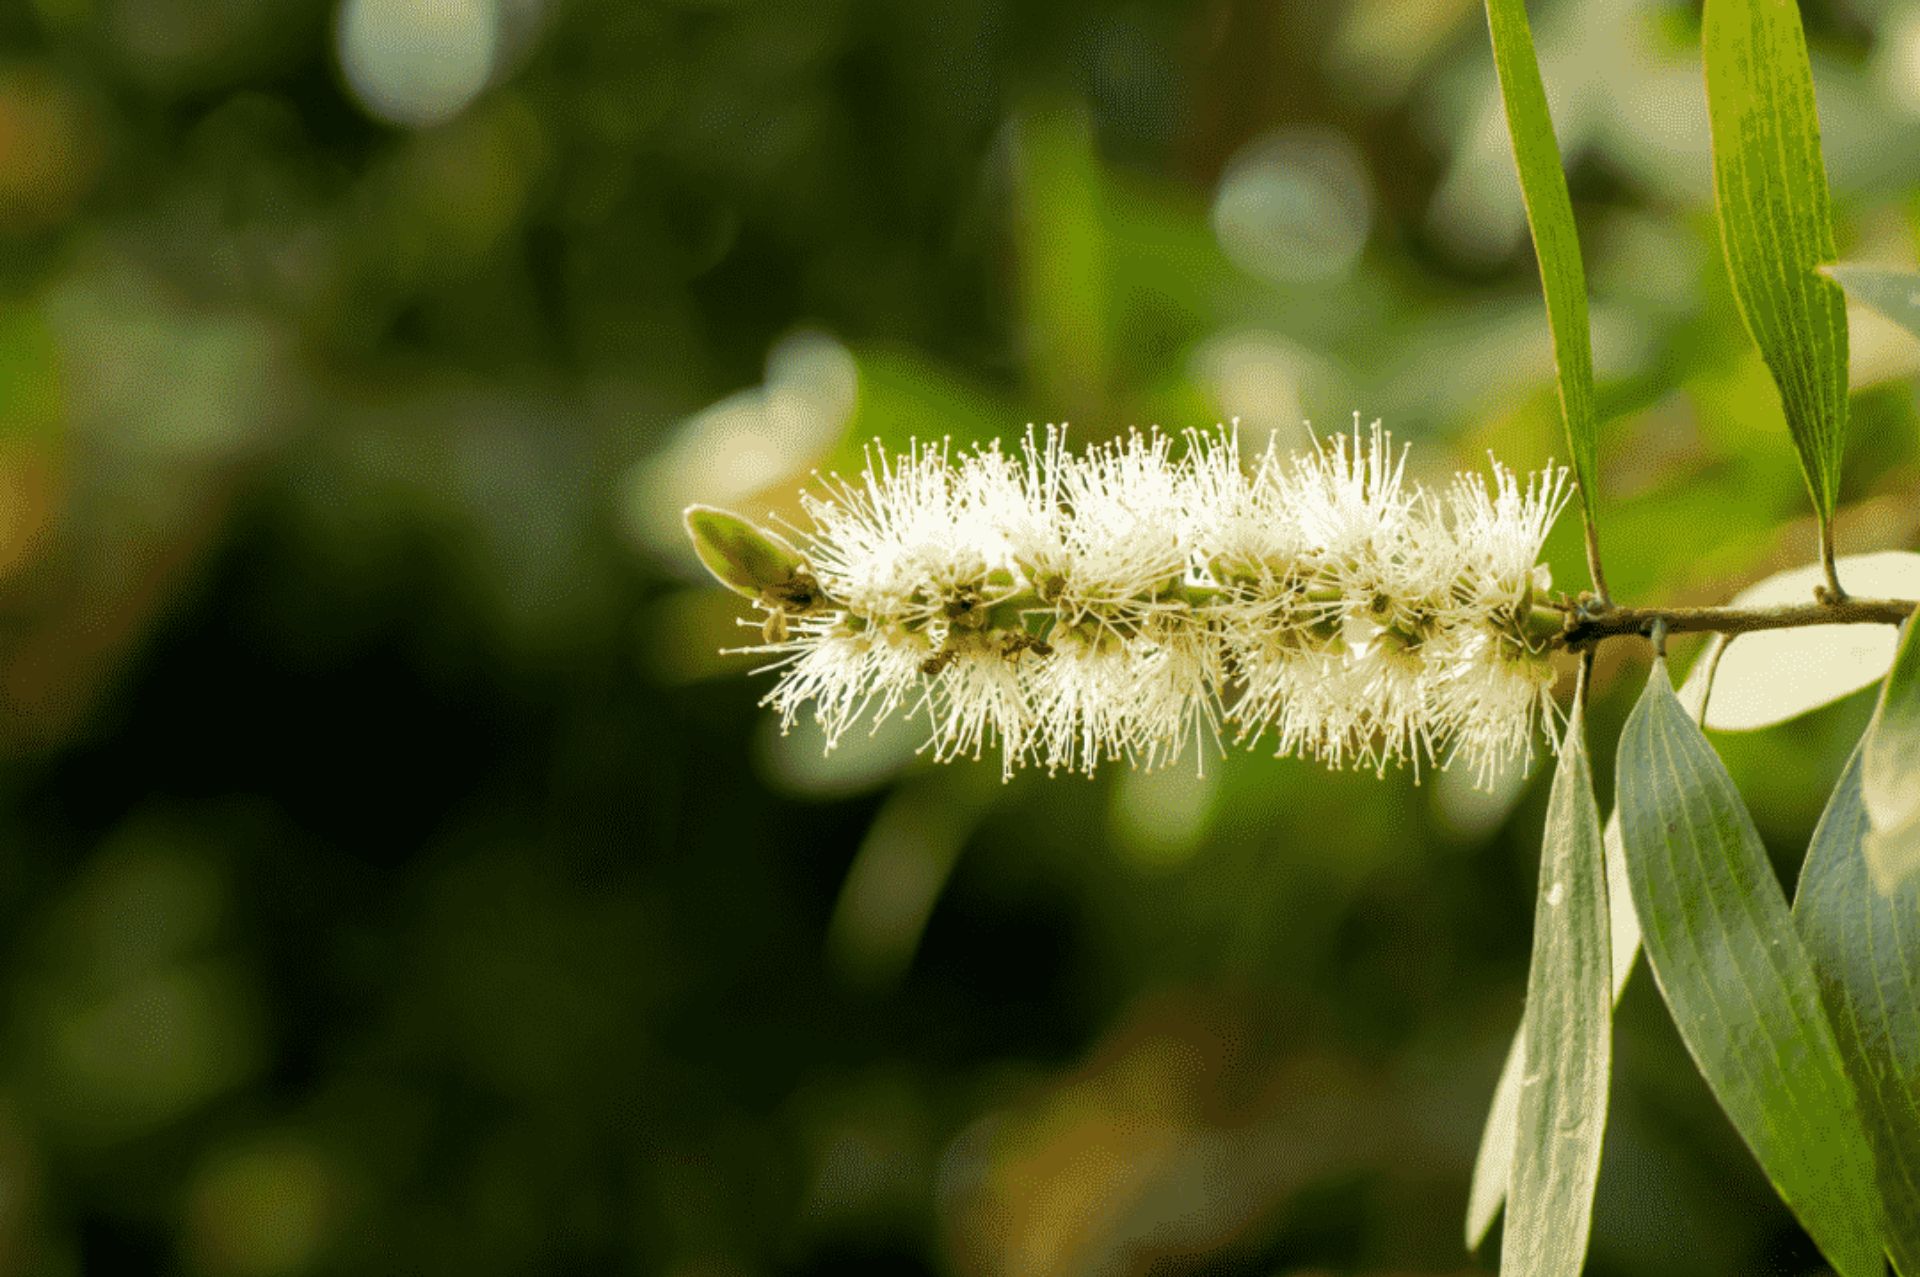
(1294, 205)
(418, 62)
(1161, 818)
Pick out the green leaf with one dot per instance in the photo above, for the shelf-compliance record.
(1890, 770)
(747, 559)
(1893, 855)
(1866, 953)
(1562, 1102)
(1894, 293)
(1776, 221)
(1493, 1164)
(1543, 186)
(1739, 982)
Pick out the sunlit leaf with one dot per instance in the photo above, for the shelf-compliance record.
(1562, 1105)
(1739, 982)
(1890, 770)
(1894, 293)
(1866, 953)
(1776, 221)
(1893, 854)
(1774, 675)
(1543, 185)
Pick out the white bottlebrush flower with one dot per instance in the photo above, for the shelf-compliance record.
(1352, 492)
(1243, 520)
(894, 543)
(1021, 498)
(1384, 540)
(1121, 545)
(1099, 698)
(1393, 688)
(1364, 701)
(976, 699)
(1123, 603)
(1305, 698)
(844, 676)
(1501, 528)
(1492, 685)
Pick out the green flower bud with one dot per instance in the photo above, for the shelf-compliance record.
(747, 559)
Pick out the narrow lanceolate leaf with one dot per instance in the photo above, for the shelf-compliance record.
(1543, 185)
(1562, 1111)
(1738, 980)
(1866, 953)
(1493, 1164)
(1890, 770)
(1776, 221)
(1894, 293)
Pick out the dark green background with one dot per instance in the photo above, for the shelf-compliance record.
(394, 880)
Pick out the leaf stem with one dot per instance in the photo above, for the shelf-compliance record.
(1835, 592)
(1594, 571)
(1584, 626)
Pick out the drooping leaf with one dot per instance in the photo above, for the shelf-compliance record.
(1866, 953)
(1776, 220)
(1492, 1164)
(1556, 245)
(1562, 1103)
(1739, 982)
(1894, 293)
(1890, 770)
(1774, 675)
(746, 558)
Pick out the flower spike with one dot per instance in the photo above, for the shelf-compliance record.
(1125, 602)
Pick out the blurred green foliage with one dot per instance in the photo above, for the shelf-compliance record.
(398, 880)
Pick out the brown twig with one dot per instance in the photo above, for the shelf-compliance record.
(1583, 626)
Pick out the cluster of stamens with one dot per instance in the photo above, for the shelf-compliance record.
(1123, 602)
